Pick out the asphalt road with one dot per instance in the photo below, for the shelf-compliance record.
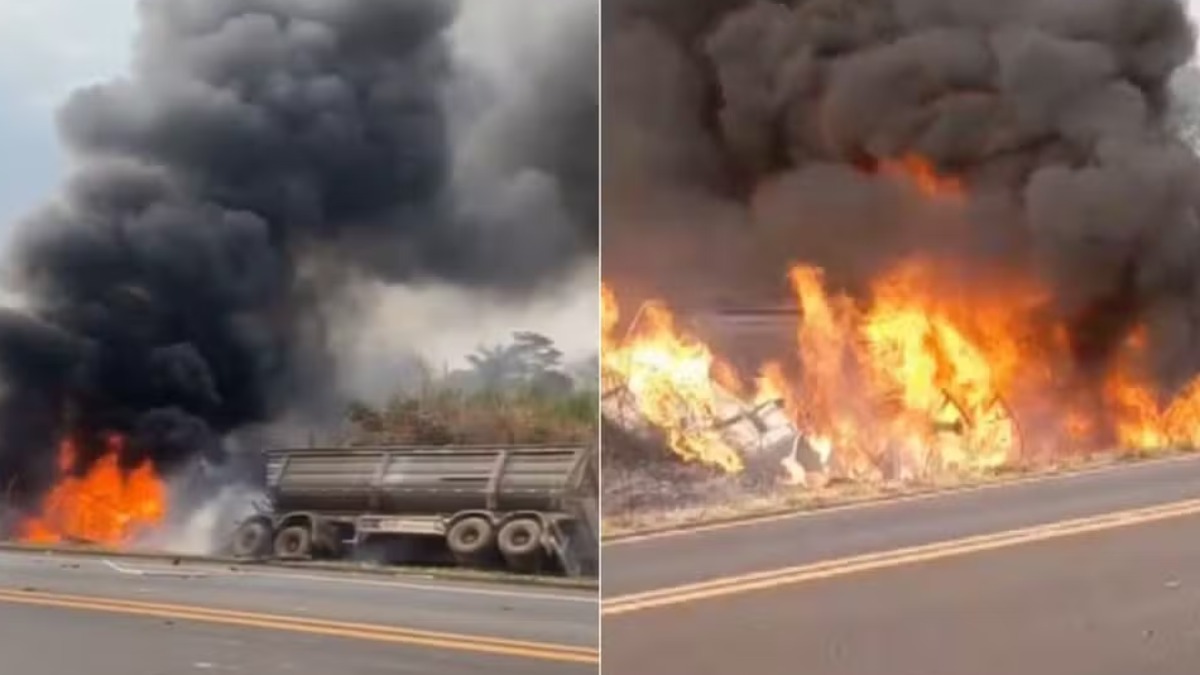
(1110, 601)
(125, 617)
(654, 562)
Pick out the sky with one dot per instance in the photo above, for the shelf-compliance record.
(48, 48)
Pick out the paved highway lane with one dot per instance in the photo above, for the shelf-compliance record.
(643, 564)
(1112, 602)
(158, 619)
(1090, 574)
(45, 641)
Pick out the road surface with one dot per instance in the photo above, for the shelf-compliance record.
(1096, 574)
(135, 617)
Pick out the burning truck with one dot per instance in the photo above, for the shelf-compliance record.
(260, 170)
(524, 508)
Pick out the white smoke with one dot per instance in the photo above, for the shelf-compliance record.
(506, 55)
(442, 324)
(207, 529)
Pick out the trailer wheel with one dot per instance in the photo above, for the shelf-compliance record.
(520, 542)
(471, 540)
(293, 543)
(252, 539)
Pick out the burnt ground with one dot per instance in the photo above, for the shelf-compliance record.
(647, 487)
(644, 481)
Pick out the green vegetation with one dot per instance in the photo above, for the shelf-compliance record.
(516, 393)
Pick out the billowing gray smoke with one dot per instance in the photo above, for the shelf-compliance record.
(740, 135)
(261, 154)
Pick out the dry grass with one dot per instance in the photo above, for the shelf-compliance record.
(796, 499)
(441, 416)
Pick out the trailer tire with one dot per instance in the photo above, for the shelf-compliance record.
(293, 543)
(520, 542)
(471, 540)
(253, 539)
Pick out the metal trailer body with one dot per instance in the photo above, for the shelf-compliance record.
(528, 507)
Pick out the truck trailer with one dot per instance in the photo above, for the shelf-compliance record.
(530, 509)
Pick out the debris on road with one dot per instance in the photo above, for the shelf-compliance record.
(172, 573)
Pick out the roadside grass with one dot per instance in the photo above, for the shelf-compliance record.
(786, 500)
(447, 416)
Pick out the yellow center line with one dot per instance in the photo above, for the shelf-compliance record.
(359, 631)
(744, 583)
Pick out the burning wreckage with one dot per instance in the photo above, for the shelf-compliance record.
(908, 389)
(983, 216)
(713, 425)
(528, 509)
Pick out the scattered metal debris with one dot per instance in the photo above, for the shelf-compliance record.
(172, 573)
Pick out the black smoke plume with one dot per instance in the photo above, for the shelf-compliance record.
(740, 135)
(260, 154)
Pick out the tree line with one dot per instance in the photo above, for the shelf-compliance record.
(518, 392)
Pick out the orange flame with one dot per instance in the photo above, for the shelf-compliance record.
(1141, 420)
(105, 505)
(924, 176)
(898, 373)
(924, 376)
(673, 380)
